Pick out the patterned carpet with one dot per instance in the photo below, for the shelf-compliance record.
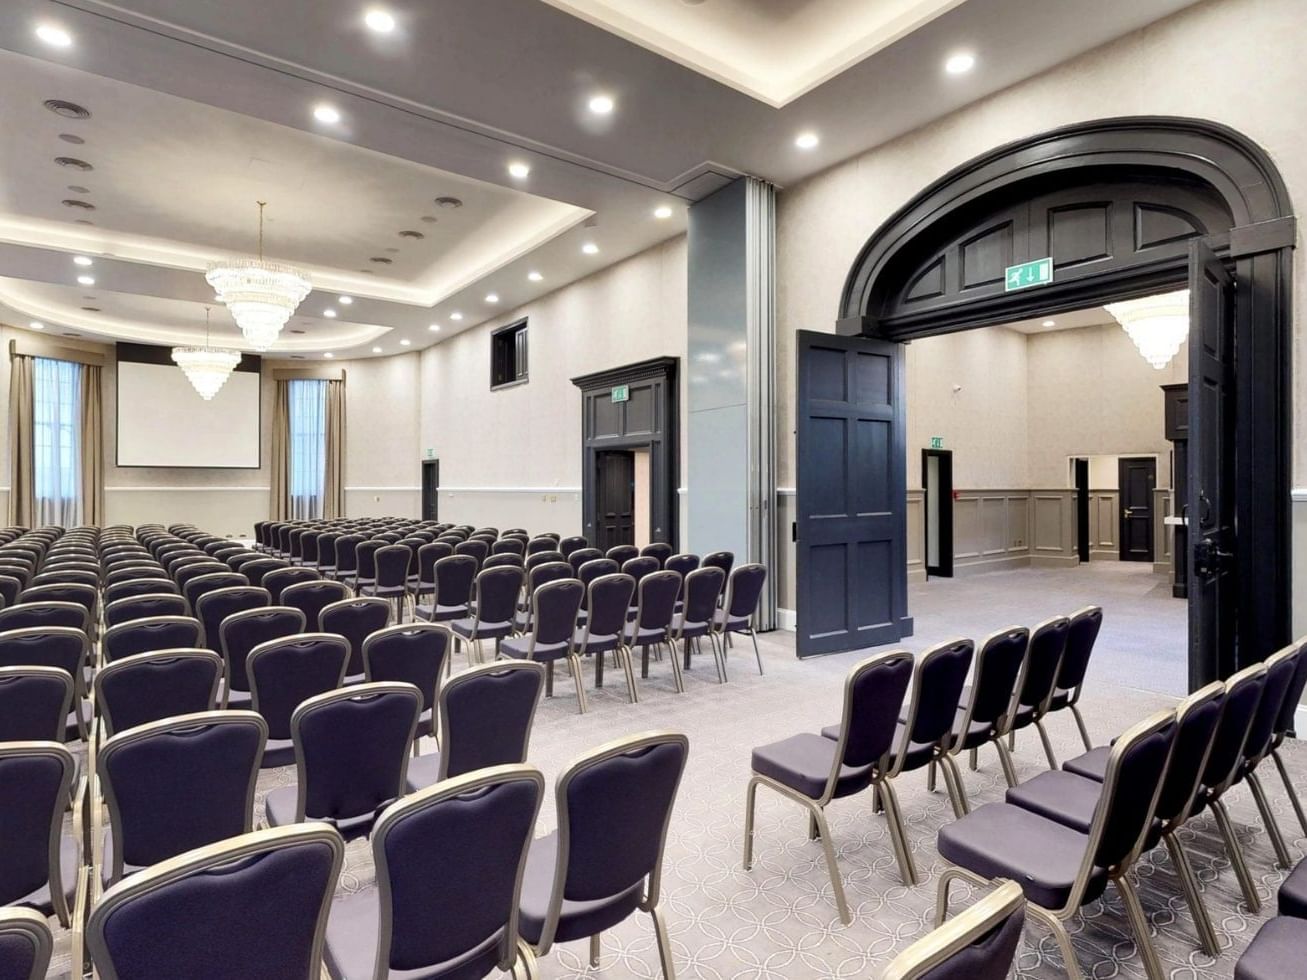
(779, 920)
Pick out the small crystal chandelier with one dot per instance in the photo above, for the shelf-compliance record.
(260, 295)
(1157, 324)
(206, 367)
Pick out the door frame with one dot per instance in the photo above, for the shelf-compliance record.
(1121, 462)
(1080, 465)
(1257, 247)
(945, 530)
(599, 458)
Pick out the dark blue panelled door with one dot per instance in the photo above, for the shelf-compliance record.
(851, 493)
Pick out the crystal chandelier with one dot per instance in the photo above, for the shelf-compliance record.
(260, 295)
(206, 367)
(1158, 325)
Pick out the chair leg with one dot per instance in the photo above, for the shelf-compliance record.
(974, 761)
(840, 902)
(719, 654)
(1080, 723)
(930, 777)
(549, 679)
(677, 675)
(632, 691)
(580, 683)
(1062, 937)
(1005, 760)
(1139, 925)
(594, 950)
(953, 783)
(1288, 788)
(898, 832)
(1193, 897)
(1236, 857)
(750, 804)
(756, 655)
(1048, 745)
(1268, 818)
(664, 943)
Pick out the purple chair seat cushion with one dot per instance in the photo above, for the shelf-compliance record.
(689, 630)
(644, 635)
(1091, 765)
(423, 771)
(977, 734)
(106, 862)
(1062, 797)
(734, 624)
(518, 646)
(468, 627)
(1293, 893)
(999, 840)
(595, 643)
(919, 753)
(576, 920)
(279, 810)
(803, 763)
(440, 614)
(278, 752)
(1276, 952)
(68, 869)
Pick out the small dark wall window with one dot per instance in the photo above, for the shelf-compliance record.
(508, 355)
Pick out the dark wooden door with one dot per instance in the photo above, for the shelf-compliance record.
(937, 480)
(1082, 508)
(851, 493)
(1211, 469)
(1136, 477)
(615, 499)
(431, 489)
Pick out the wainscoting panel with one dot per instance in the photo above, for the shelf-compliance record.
(386, 502)
(916, 535)
(1104, 525)
(535, 508)
(1163, 533)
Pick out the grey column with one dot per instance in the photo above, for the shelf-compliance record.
(730, 426)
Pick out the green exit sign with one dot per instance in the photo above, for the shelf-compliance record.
(936, 442)
(1027, 274)
(621, 393)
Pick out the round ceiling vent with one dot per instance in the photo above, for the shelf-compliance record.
(79, 189)
(91, 309)
(72, 202)
(69, 110)
(297, 331)
(369, 272)
(381, 260)
(430, 219)
(409, 233)
(71, 138)
(83, 221)
(449, 202)
(73, 162)
(69, 333)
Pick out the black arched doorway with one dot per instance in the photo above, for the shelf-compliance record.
(1125, 207)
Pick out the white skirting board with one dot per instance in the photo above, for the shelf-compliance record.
(786, 619)
(1300, 721)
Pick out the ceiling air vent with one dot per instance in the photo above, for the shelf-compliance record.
(91, 309)
(72, 202)
(69, 110)
(449, 202)
(411, 234)
(79, 189)
(70, 138)
(73, 162)
(381, 260)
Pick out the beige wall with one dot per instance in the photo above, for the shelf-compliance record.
(513, 456)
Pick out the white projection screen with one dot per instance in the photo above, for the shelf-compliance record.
(163, 422)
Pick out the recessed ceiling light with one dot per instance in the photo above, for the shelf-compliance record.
(662, 211)
(456, 315)
(344, 300)
(37, 325)
(601, 105)
(324, 113)
(492, 297)
(806, 141)
(590, 248)
(1050, 323)
(81, 260)
(379, 20)
(329, 313)
(86, 280)
(434, 328)
(960, 63)
(534, 276)
(519, 170)
(404, 342)
(328, 355)
(54, 36)
(376, 350)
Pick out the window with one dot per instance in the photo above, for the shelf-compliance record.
(308, 448)
(56, 441)
(508, 355)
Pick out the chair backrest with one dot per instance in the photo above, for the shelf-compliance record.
(1281, 667)
(724, 560)
(145, 687)
(392, 563)
(537, 545)
(997, 681)
(546, 558)
(351, 749)
(701, 589)
(153, 585)
(215, 606)
(744, 586)
(979, 943)
(147, 635)
(257, 569)
(568, 545)
(455, 576)
(608, 598)
(45, 614)
(1285, 723)
(34, 703)
(873, 696)
(581, 556)
(140, 568)
(36, 780)
(503, 561)
(449, 865)
(309, 546)
(622, 553)
(259, 902)
(656, 599)
(347, 552)
(1082, 631)
(640, 566)
(9, 589)
(1043, 659)
(242, 632)
(188, 573)
(311, 598)
(1132, 784)
(497, 590)
(486, 715)
(81, 595)
(684, 563)
(144, 607)
(412, 653)
(284, 673)
(355, 619)
(279, 580)
(428, 555)
(61, 647)
(595, 568)
(65, 576)
(202, 585)
(614, 807)
(25, 944)
(179, 783)
(660, 550)
(1197, 717)
(508, 546)
(554, 608)
(1243, 693)
(938, 677)
(546, 572)
(475, 548)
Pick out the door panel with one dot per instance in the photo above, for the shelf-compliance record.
(1211, 469)
(1136, 477)
(851, 494)
(431, 489)
(615, 499)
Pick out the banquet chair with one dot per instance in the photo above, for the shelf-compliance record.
(145, 687)
(355, 619)
(35, 703)
(411, 653)
(286, 672)
(148, 635)
(240, 633)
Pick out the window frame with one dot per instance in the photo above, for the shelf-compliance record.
(497, 340)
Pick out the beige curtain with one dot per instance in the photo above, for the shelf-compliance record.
(22, 480)
(92, 436)
(279, 505)
(333, 497)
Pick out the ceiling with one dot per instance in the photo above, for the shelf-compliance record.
(198, 109)
(1095, 316)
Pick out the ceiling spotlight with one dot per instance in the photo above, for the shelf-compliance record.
(534, 276)
(329, 313)
(492, 297)
(376, 350)
(54, 36)
(86, 280)
(960, 63)
(434, 328)
(806, 141)
(379, 20)
(329, 355)
(519, 170)
(601, 105)
(456, 315)
(662, 212)
(81, 260)
(1049, 323)
(37, 325)
(590, 248)
(324, 113)
(344, 300)
(404, 342)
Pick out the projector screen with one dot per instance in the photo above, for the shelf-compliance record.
(163, 422)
